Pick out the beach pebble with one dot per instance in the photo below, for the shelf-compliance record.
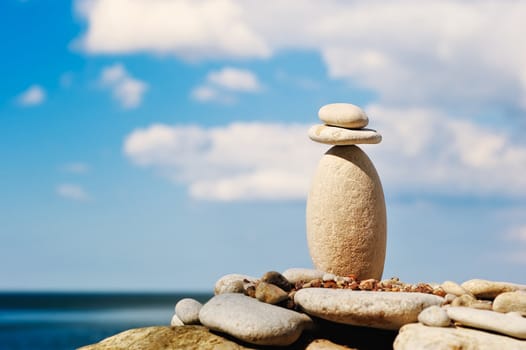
(454, 288)
(324, 344)
(511, 302)
(176, 322)
(417, 336)
(434, 316)
(295, 275)
(346, 217)
(386, 310)
(333, 135)
(489, 320)
(233, 283)
(485, 289)
(277, 279)
(345, 115)
(252, 321)
(449, 298)
(187, 310)
(270, 293)
(328, 277)
(464, 300)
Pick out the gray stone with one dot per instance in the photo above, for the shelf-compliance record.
(233, 283)
(176, 322)
(333, 135)
(187, 310)
(434, 316)
(345, 115)
(346, 217)
(511, 302)
(252, 321)
(165, 338)
(386, 310)
(417, 336)
(485, 289)
(270, 293)
(295, 275)
(454, 288)
(489, 320)
(277, 279)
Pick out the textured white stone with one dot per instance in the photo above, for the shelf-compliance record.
(176, 322)
(346, 218)
(333, 135)
(434, 316)
(454, 288)
(345, 115)
(386, 310)
(295, 275)
(187, 310)
(417, 336)
(252, 321)
(489, 320)
(490, 289)
(233, 283)
(511, 302)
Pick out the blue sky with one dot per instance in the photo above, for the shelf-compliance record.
(158, 145)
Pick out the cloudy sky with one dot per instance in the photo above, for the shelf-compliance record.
(158, 145)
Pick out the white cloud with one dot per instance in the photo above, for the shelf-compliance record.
(518, 234)
(76, 168)
(409, 52)
(73, 192)
(234, 162)
(423, 152)
(125, 89)
(220, 85)
(191, 29)
(33, 96)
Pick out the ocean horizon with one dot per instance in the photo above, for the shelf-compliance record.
(68, 320)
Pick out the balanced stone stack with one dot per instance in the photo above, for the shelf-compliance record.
(346, 218)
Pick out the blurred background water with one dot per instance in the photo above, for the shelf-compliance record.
(43, 321)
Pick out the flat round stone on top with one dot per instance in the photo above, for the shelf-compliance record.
(333, 135)
(345, 115)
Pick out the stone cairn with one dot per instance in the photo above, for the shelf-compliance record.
(343, 302)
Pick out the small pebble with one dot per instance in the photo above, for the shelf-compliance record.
(270, 293)
(277, 279)
(434, 316)
(176, 322)
(187, 310)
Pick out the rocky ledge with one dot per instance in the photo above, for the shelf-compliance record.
(310, 309)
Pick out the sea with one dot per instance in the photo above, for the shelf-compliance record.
(56, 321)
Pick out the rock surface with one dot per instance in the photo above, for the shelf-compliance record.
(269, 293)
(489, 320)
(165, 338)
(485, 289)
(417, 336)
(385, 310)
(253, 321)
(434, 316)
(333, 135)
(345, 115)
(346, 217)
(233, 283)
(277, 279)
(295, 275)
(187, 310)
(324, 344)
(511, 302)
(176, 322)
(454, 288)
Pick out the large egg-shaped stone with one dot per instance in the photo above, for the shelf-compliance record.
(346, 218)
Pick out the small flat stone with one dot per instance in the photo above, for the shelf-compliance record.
(464, 300)
(417, 336)
(187, 310)
(233, 283)
(454, 288)
(324, 344)
(345, 115)
(489, 320)
(485, 289)
(252, 321)
(510, 302)
(270, 293)
(176, 322)
(434, 316)
(295, 275)
(277, 279)
(386, 310)
(333, 135)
